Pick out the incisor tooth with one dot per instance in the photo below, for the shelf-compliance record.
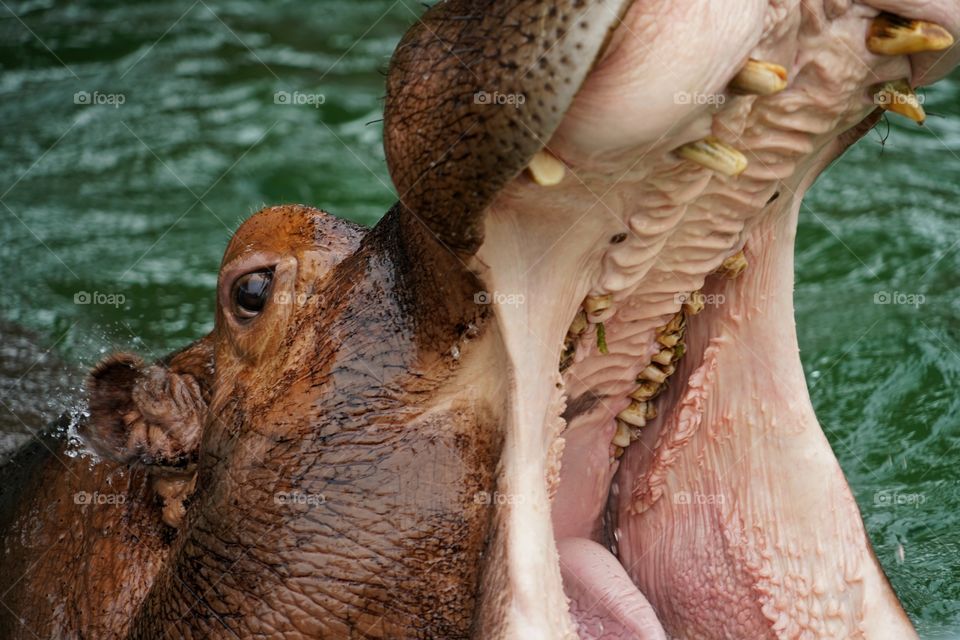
(546, 170)
(715, 154)
(594, 305)
(634, 415)
(760, 78)
(893, 35)
(899, 97)
(622, 437)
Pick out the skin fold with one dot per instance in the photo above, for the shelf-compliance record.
(379, 443)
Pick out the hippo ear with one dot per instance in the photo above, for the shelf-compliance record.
(476, 88)
(149, 414)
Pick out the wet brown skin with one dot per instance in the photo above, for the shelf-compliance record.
(339, 394)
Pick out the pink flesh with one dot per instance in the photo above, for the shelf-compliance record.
(604, 601)
(772, 544)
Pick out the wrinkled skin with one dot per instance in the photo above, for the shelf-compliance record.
(312, 467)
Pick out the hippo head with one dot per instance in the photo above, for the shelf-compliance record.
(556, 391)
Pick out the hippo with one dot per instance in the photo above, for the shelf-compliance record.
(554, 393)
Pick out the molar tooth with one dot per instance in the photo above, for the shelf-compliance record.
(663, 357)
(646, 391)
(676, 324)
(760, 78)
(545, 169)
(899, 97)
(893, 35)
(734, 266)
(635, 415)
(622, 436)
(693, 304)
(653, 374)
(579, 324)
(651, 411)
(669, 340)
(715, 154)
(595, 305)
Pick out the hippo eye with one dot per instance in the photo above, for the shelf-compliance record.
(250, 293)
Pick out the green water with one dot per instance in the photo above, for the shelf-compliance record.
(138, 200)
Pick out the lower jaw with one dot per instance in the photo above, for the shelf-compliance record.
(728, 517)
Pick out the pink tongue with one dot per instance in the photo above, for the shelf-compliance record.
(604, 601)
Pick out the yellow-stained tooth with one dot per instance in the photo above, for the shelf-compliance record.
(621, 437)
(899, 97)
(734, 266)
(714, 154)
(760, 78)
(635, 415)
(595, 305)
(546, 170)
(893, 35)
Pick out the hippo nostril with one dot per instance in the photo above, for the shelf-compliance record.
(250, 293)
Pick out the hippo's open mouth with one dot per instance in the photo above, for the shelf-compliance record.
(648, 247)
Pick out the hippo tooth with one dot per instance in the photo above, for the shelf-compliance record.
(579, 324)
(546, 170)
(622, 436)
(893, 35)
(693, 304)
(760, 78)
(669, 340)
(646, 391)
(715, 154)
(595, 305)
(653, 374)
(635, 415)
(676, 324)
(663, 357)
(651, 411)
(734, 266)
(898, 96)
